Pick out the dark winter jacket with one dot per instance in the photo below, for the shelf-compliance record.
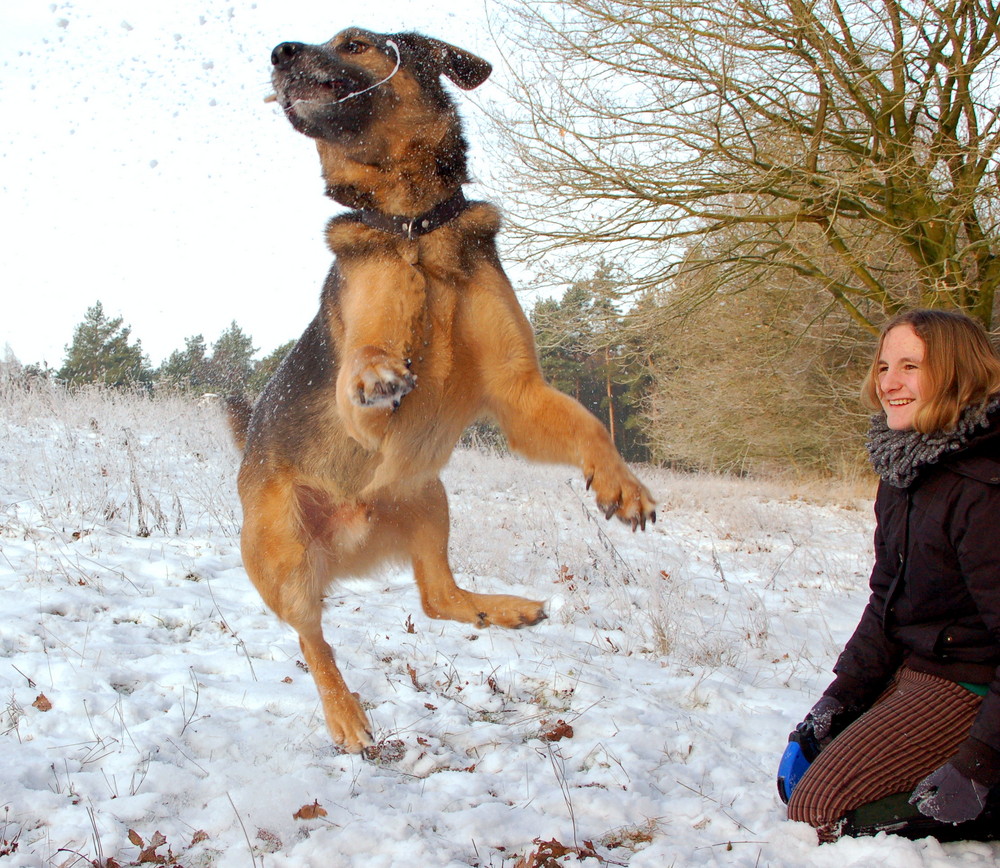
(935, 590)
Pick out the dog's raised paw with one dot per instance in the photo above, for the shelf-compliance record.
(621, 495)
(383, 383)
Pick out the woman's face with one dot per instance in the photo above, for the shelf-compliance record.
(900, 376)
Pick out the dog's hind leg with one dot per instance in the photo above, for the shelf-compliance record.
(426, 520)
(291, 574)
(345, 718)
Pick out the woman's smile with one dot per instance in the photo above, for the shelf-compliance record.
(900, 376)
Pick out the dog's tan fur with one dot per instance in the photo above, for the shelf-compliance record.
(415, 339)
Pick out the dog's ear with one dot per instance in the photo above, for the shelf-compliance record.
(461, 66)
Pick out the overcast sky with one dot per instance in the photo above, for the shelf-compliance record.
(142, 168)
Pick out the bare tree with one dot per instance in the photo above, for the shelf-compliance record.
(849, 146)
(761, 380)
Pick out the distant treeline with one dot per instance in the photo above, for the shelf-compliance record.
(103, 352)
(581, 351)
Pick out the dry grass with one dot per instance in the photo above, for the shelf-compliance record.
(696, 605)
(90, 457)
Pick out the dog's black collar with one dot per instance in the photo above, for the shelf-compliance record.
(414, 227)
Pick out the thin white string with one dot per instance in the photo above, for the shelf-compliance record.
(395, 48)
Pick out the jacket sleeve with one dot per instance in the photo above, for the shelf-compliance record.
(974, 537)
(870, 659)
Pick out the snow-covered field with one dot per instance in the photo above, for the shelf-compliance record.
(151, 710)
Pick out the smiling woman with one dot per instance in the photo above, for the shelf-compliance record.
(937, 363)
(907, 737)
(900, 379)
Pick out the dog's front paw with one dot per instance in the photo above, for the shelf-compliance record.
(620, 494)
(378, 380)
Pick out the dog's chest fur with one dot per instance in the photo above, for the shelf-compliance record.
(420, 285)
(422, 288)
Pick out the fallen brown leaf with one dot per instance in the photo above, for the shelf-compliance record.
(547, 854)
(557, 732)
(309, 812)
(148, 855)
(413, 678)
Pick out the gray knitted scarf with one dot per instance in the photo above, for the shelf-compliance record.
(897, 456)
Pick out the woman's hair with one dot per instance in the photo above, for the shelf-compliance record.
(961, 366)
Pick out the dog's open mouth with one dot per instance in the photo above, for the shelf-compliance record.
(324, 103)
(306, 89)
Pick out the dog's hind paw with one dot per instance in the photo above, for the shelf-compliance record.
(484, 610)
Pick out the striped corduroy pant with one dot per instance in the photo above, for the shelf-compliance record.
(913, 728)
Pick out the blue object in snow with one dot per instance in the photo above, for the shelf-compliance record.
(801, 751)
(790, 770)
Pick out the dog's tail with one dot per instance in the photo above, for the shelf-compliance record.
(238, 412)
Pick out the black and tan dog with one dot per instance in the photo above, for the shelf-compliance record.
(418, 335)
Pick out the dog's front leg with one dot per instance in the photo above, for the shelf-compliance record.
(370, 387)
(543, 424)
(383, 310)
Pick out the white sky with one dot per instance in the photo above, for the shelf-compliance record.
(141, 167)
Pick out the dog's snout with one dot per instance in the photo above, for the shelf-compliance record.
(284, 54)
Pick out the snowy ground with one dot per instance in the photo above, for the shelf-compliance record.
(152, 710)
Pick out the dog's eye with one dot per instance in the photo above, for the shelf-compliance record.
(356, 47)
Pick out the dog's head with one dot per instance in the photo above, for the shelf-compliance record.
(338, 90)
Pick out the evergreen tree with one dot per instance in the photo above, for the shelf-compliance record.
(229, 369)
(561, 333)
(265, 368)
(11, 369)
(185, 369)
(101, 353)
(585, 351)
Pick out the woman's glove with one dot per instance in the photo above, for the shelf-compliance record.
(949, 796)
(804, 744)
(825, 720)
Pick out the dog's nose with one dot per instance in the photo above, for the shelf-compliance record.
(284, 54)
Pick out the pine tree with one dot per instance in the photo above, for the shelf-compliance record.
(101, 353)
(585, 351)
(265, 368)
(185, 369)
(229, 369)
